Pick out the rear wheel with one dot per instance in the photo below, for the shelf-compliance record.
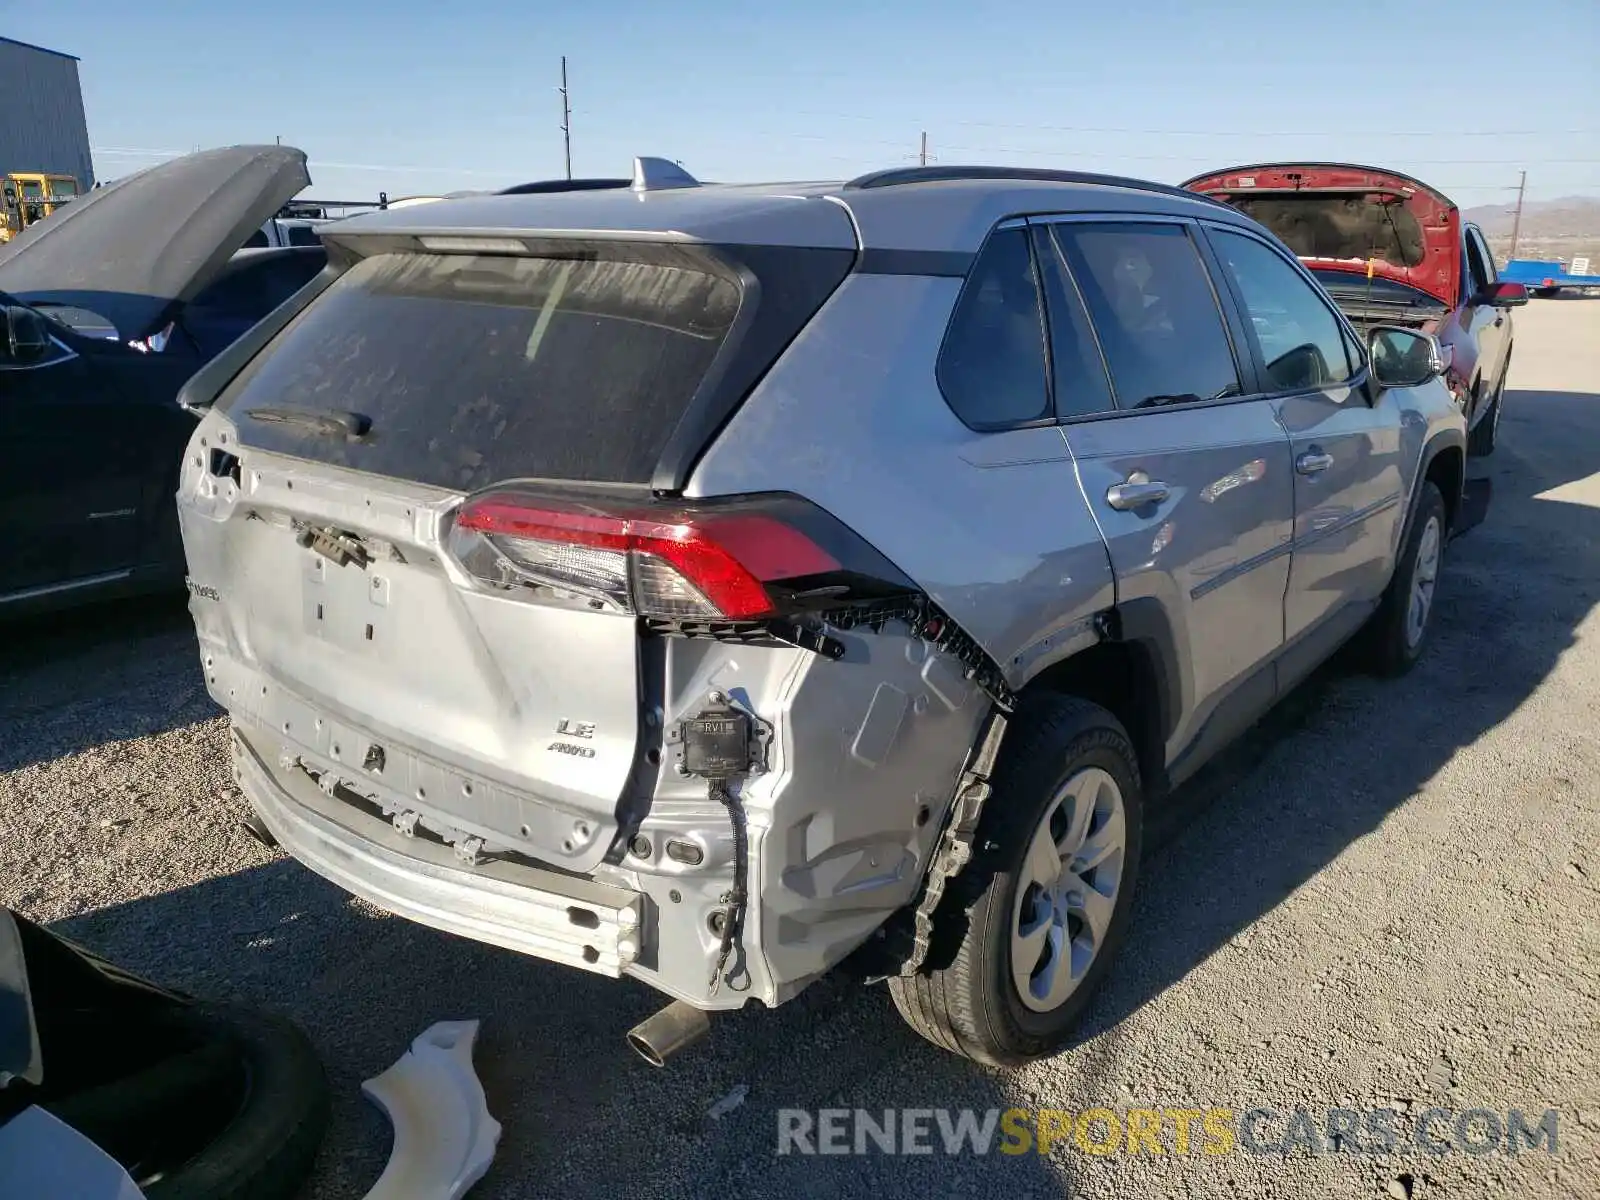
(1041, 910)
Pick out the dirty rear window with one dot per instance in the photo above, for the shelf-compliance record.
(471, 369)
(1354, 225)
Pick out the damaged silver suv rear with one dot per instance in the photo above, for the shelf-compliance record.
(657, 580)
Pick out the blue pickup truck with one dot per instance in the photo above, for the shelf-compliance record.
(1546, 277)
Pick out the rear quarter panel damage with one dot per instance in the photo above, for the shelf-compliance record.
(992, 526)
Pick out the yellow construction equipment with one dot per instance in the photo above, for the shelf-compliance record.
(29, 196)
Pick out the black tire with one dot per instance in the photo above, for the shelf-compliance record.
(1392, 651)
(252, 1078)
(966, 1001)
(1486, 433)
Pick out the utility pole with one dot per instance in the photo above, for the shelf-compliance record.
(1516, 220)
(566, 116)
(923, 157)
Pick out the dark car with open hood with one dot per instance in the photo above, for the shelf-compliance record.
(1391, 250)
(106, 309)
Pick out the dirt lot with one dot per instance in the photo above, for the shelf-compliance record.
(1387, 898)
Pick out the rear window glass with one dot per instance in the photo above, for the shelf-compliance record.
(474, 369)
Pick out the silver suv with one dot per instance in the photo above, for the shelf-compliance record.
(704, 583)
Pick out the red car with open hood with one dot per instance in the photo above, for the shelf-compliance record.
(1391, 250)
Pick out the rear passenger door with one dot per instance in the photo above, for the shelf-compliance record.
(1348, 479)
(1189, 475)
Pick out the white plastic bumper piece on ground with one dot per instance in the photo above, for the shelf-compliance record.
(444, 1137)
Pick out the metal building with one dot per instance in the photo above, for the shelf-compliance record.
(42, 126)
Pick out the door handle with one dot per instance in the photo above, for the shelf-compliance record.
(1136, 491)
(1313, 461)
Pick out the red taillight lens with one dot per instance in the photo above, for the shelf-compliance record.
(709, 566)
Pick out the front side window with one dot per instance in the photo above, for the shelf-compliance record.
(992, 364)
(1485, 257)
(1302, 343)
(1477, 273)
(1154, 310)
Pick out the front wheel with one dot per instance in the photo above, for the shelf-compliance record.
(1486, 433)
(1042, 908)
(1400, 627)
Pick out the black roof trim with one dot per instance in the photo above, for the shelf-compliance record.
(563, 185)
(896, 176)
(40, 49)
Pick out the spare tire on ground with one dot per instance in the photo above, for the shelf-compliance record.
(197, 1101)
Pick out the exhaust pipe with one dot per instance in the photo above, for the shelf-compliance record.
(256, 828)
(676, 1026)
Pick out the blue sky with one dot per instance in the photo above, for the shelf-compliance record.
(412, 97)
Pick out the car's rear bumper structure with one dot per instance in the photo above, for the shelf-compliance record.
(546, 913)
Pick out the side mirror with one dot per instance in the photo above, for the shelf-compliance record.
(1404, 357)
(1505, 295)
(27, 339)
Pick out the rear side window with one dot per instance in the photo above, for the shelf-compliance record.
(1077, 373)
(1302, 343)
(1153, 307)
(304, 235)
(473, 369)
(992, 365)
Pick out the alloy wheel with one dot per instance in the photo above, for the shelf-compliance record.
(1067, 889)
(1423, 577)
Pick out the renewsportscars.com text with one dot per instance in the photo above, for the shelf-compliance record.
(1206, 1131)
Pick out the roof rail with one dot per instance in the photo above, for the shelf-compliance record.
(896, 176)
(562, 185)
(660, 174)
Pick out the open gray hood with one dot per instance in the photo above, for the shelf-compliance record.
(135, 250)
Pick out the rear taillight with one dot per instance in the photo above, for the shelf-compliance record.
(742, 560)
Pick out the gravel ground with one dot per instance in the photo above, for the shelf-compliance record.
(1386, 898)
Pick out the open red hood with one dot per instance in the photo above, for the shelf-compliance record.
(1337, 215)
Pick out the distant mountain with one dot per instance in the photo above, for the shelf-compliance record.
(1568, 217)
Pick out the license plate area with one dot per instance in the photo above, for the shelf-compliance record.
(348, 606)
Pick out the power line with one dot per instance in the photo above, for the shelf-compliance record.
(1427, 162)
(1253, 133)
(129, 152)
